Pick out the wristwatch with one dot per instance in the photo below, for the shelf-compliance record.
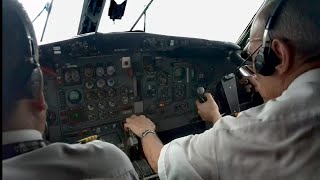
(146, 132)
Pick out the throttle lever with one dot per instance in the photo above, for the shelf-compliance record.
(201, 97)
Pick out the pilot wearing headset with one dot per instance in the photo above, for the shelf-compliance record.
(276, 140)
(24, 153)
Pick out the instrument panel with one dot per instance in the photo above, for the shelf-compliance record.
(101, 79)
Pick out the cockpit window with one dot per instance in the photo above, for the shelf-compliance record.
(208, 19)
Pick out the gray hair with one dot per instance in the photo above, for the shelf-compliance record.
(298, 22)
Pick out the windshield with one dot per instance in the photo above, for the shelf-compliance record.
(208, 19)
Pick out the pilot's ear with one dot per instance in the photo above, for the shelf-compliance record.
(285, 54)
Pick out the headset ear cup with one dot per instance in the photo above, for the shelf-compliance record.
(36, 83)
(259, 62)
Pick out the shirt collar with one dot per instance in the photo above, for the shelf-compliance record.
(10, 137)
(309, 76)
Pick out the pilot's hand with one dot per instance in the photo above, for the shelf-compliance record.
(209, 110)
(248, 83)
(139, 124)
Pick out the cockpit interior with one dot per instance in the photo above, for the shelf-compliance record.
(94, 81)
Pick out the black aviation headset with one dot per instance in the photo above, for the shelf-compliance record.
(25, 68)
(262, 66)
(31, 59)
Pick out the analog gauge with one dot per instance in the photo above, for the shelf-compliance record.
(72, 76)
(150, 90)
(124, 90)
(100, 71)
(101, 93)
(110, 82)
(111, 70)
(89, 84)
(91, 107)
(112, 103)
(113, 113)
(101, 105)
(164, 92)
(92, 117)
(111, 92)
(102, 115)
(67, 77)
(88, 72)
(74, 97)
(90, 95)
(75, 75)
(179, 74)
(163, 78)
(179, 92)
(101, 83)
(124, 100)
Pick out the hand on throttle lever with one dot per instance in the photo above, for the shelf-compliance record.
(209, 110)
(139, 124)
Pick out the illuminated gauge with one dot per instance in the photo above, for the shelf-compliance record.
(110, 82)
(91, 107)
(179, 74)
(112, 103)
(110, 70)
(74, 97)
(101, 83)
(124, 100)
(101, 105)
(163, 78)
(111, 92)
(90, 95)
(101, 93)
(88, 72)
(102, 115)
(100, 71)
(89, 84)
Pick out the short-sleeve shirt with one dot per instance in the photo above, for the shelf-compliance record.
(277, 140)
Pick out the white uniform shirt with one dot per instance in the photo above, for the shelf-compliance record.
(59, 161)
(277, 140)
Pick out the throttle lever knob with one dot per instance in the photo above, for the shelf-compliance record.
(201, 97)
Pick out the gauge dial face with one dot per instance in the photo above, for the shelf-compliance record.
(101, 83)
(112, 103)
(111, 92)
(74, 97)
(100, 71)
(89, 84)
(111, 82)
(163, 78)
(102, 93)
(91, 107)
(101, 105)
(90, 95)
(151, 90)
(88, 72)
(72, 76)
(111, 70)
(124, 100)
